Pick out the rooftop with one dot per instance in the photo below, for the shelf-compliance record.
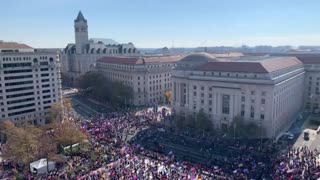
(13, 45)
(251, 65)
(310, 60)
(139, 60)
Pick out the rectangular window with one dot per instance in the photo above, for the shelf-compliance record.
(194, 87)
(252, 92)
(202, 94)
(252, 114)
(210, 95)
(210, 102)
(225, 104)
(243, 99)
(194, 93)
(262, 116)
(263, 101)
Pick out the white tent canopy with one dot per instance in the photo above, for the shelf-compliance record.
(40, 166)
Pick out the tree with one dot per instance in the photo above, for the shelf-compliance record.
(22, 142)
(67, 105)
(55, 114)
(203, 122)
(67, 134)
(168, 96)
(95, 85)
(180, 122)
(65, 80)
(242, 129)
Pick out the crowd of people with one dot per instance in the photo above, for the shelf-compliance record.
(116, 151)
(300, 163)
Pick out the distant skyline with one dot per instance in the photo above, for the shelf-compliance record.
(159, 23)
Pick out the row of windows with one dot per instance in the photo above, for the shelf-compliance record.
(45, 75)
(21, 112)
(17, 71)
(19, 95)
(18, 77)
(18, 83)
(45, 85)
(10, 65)
(46, 91)
(15, 58)
(47, 102)
(243, 99)
(229, 75)
(21, 106)
(163, 65)
(46, 107)
(44, 69)
(19, 89)
(20, 100)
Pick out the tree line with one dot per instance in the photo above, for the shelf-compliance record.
(95, 85)
(25, 143)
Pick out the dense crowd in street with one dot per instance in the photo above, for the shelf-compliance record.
(112, 155)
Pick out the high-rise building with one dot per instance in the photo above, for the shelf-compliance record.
(29, 83)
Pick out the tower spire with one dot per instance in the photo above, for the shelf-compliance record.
(80, 17)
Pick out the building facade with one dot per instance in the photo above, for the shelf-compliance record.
(312, 82)
(264, 90)
(29, 83)
(149, 77)
(80, 57)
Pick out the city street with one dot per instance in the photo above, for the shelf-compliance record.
(314, 138)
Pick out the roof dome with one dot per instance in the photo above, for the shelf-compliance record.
(199, 57)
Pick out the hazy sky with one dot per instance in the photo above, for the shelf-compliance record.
(158, 23)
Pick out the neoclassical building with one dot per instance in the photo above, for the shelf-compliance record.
(80, 57)
(149, 77)
(265, 90)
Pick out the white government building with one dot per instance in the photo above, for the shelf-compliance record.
(149, 77)
(29, 83)
(266, 90)
(80, 57)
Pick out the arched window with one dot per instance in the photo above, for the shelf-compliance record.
(124, 51)
(98, 51)
(129, 50)
(134, 50)
(35, 60)
(51, 60)
(92, 51)
(104, 50)
(110, 52)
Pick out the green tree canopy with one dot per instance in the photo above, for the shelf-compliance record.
(95, 85)
(242, 129)
(202, 121)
